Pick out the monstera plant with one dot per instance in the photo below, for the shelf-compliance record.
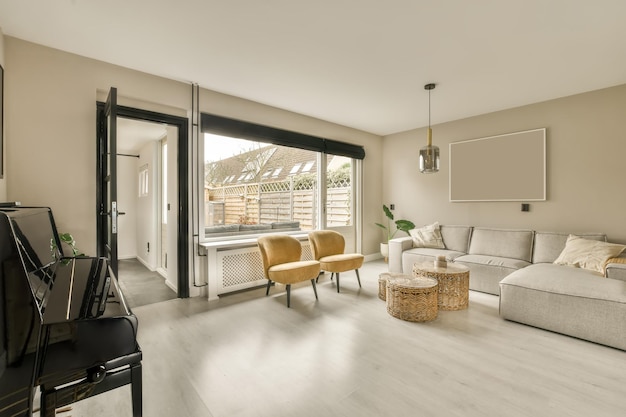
(391, 228)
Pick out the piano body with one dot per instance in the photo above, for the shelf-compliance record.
(64, 324)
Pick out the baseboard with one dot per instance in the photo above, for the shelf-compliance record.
(171, 286)
(373, 257)
(161, 272)
(144, 263)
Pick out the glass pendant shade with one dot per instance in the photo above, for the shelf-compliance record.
(429, 156)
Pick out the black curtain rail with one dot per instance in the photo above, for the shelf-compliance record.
(224, 126)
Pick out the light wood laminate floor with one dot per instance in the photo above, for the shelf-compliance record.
(248, 355)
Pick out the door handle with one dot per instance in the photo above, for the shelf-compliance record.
(114, 214)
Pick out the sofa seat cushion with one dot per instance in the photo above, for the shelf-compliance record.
(568, 280)
(412, 256)
(508, 264)
(490, 270)
(566, 300)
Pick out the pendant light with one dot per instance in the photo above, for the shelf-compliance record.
(429, 154)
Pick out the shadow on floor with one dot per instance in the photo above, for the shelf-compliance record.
(142, 286)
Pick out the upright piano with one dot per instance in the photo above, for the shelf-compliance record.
(65, 327)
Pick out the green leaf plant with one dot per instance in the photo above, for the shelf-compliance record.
(398, 225)
(68, 239)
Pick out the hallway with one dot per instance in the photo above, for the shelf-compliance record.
(142, 286)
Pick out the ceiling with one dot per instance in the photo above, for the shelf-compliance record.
(358, 63)
(132, 134)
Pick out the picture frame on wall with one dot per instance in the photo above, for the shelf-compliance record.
(1, 122)
(507, 167)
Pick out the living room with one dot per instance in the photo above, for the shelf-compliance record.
(49, 153)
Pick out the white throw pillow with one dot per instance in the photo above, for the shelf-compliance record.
(427, 237)
(588, 254)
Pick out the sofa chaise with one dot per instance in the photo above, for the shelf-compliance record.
(537, 285)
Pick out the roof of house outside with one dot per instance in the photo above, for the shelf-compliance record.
(267, 163)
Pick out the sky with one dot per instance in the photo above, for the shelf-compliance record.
(220, 147)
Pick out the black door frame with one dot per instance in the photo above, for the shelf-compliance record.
(182, 123)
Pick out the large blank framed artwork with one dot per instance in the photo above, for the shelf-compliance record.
(509, 167)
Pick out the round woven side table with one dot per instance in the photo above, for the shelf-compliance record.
(412, 299)
(453, 283)
(382, 282)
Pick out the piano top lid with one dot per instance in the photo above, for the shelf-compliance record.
(65, 289)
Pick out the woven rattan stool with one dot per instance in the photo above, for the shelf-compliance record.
(382, 282)
(412, 299)
(453, 283)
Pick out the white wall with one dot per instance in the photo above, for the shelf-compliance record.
(127, 190)
(3, 187)
(147, 220)
(586, 168)
(52, 96)
(172, 215)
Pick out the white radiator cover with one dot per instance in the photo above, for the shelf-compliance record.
(242, 268)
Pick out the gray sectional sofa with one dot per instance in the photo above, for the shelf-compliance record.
(518, 265)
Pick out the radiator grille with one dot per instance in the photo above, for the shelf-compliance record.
(243, 268)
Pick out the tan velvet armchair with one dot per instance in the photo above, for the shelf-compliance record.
(281, 263)
(328, 247)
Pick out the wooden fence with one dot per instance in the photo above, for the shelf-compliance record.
(275, 202)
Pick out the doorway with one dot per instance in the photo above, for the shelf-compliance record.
(143, 235)
(140, 134)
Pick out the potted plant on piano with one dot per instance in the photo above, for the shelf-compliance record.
(391, 228)
(68, 239)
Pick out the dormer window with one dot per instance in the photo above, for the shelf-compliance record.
(295, 168)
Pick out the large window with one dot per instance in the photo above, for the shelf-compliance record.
(273, 181)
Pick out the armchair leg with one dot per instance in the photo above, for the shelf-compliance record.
(337, 281)
(318, 276)
(314, 288)
(288, 295)
(267, 291)
(358, 277)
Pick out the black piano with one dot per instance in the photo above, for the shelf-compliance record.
(65, 327)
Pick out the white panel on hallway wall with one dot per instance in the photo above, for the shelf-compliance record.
(127, 203)
(147, 205)
(509, 167)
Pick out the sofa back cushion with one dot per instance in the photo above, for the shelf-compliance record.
(456, 238)
(505, 243)
(549, 245)
(222, 228)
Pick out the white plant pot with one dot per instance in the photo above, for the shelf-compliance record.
(384, 250)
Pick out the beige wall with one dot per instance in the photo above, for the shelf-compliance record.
(51, 120)
(586, 168)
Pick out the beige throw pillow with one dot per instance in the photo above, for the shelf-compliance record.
(427, 237)
(588, 254)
